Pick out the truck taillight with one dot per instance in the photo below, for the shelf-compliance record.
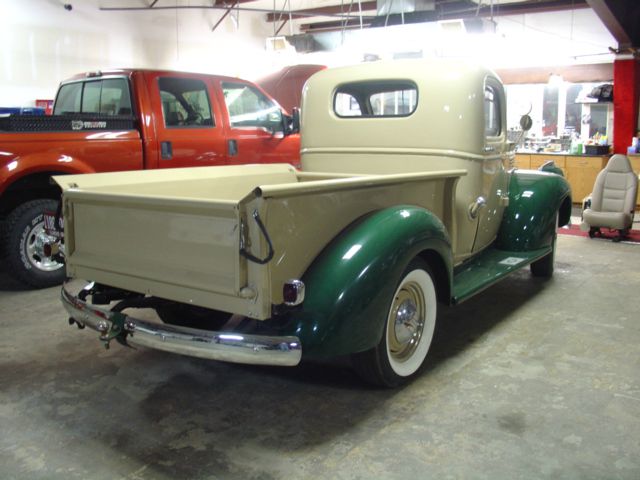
(293, 292)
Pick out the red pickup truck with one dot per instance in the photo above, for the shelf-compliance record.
(126, 120)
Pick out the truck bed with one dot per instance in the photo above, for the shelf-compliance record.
(178, 234)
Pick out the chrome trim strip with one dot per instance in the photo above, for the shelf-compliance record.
(224, 346)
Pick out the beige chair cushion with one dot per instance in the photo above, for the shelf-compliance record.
(614, 194)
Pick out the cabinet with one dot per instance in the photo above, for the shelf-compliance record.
(523, 161)
(538, 160)
(635, 162)
(635, 165)
(581, 173)
(579, 170)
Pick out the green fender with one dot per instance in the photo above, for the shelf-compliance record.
(350, 284)
(529, 220)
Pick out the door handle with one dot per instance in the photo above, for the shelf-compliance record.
(166, 150)
(232, 147)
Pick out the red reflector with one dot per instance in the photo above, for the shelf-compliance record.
(293, 292)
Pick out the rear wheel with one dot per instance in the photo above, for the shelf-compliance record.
(23, 245)
(411, 319)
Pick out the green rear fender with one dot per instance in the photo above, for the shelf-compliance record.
(350, 284)
(529, 220)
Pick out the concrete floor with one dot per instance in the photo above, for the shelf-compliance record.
(530, 379)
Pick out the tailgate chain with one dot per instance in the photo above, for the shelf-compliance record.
(245, 253)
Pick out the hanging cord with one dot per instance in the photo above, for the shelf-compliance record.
(281, 14)
(386, 20)
(246, 254)
(177, 47)
(346, 20)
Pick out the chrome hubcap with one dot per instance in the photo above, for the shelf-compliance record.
(36, 239)
(407, 319)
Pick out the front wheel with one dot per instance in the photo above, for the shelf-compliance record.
(544, 267)
(409, 327)
(23, 245)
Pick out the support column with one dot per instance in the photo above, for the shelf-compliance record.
(626, 92)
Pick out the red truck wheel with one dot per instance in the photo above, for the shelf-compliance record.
(23, 249)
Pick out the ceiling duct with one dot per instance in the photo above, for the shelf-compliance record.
(308, 43)
(388, 7)
(277, 44)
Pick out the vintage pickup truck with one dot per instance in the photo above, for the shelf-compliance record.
(126, 119)
(407, 197)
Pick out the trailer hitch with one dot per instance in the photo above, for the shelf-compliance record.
(117, 326)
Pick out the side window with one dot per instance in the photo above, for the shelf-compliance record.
(248, 107)
(492, 118)
(97, 97)
(185, 103)
(386, 98)
(68, 99)
(91, 97)
(115, 98)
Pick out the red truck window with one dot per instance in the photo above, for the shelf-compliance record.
(185, 103)
(248, 107)
(100, 97)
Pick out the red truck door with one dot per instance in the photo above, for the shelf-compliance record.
(189, 126)
(255, 126)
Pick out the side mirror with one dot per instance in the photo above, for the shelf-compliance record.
(526, 122)
(273, 121)
(293, 122)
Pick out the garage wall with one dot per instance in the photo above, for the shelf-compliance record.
(41, 43)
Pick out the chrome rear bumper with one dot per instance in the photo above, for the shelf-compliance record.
(225, 346)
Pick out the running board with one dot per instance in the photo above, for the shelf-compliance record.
(488, 268)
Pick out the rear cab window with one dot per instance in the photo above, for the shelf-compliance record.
(185, 103)
(109, 96)
(386, 98)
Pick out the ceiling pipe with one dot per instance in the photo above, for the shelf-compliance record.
(457, 9)
(452, 12)
(216, 7)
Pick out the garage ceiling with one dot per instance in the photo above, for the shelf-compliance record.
(309, 16)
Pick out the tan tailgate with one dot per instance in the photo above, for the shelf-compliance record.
(177, 246)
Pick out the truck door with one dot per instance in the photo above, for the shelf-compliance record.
(189, 129)
(495, 177)
(255, 127)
